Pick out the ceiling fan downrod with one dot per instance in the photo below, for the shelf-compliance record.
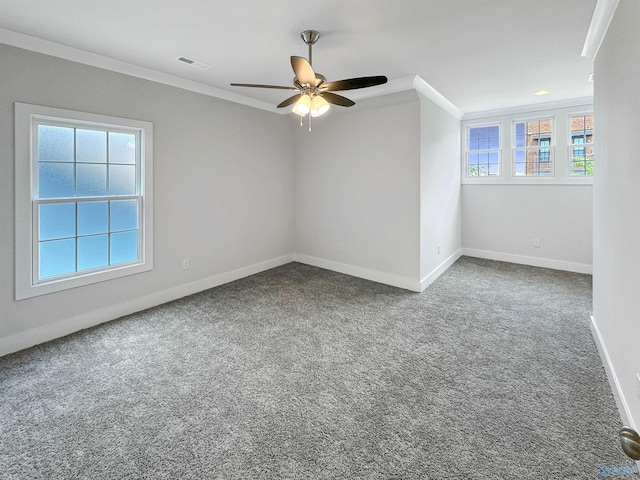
(310, 37)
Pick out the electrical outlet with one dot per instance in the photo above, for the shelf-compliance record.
(536, 242)
(185, 264)
(341, 247)
(638, 385)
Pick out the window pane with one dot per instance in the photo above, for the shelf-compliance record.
(55, 144)
(122, 148)
(483, 143)
(57, 220)
(122, 180)
(55, 180)
(473, 133)
(91, 180)
(93, 252)
(91, 146)
(124, 247)
(494, 169)
(494, 143)
(57, 257)
(93, 217)
(483, 132)
(124, 215)
(494, 132)
(473, 144)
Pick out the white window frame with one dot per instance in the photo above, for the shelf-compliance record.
(497, 150)
(27, 116)
(571, 146)
(551, 147)
(559, 111)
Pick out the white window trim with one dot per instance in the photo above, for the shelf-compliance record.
(25, 282)
(551, 147)
(561, 115)
(465, 149)
(570, 145)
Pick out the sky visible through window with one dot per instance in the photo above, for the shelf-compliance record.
(82, 224)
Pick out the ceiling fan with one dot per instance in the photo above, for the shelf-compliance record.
(315, 95)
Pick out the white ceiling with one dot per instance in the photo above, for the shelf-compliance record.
(480, 54)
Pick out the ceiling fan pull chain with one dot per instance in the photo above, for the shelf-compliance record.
(309, 122)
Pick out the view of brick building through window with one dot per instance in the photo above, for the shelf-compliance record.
(581, 148)
(534, 154)
(535, 148)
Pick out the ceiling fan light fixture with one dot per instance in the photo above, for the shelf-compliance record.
(302, 106)
(319, 106)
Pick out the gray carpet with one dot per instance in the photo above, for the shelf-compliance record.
(300, 372)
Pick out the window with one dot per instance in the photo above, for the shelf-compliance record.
(533, 153)
(83, 199)
(483, 151)
(581, 157)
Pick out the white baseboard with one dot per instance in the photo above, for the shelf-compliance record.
(360, 272)
(623, 407)
(439, 270)
(64, 327)
(533, 261)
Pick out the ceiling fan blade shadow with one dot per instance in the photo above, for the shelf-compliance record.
(262, 86)
(336, 99)
(290, 100)
(354, 83)
(304, 72)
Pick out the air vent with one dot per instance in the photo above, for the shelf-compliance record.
(194, 63)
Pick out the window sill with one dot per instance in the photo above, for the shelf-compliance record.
(527, 181)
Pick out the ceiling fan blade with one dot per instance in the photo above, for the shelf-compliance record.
(290, 100)
(262, 86)
(304, 72)
(354, 83)
(337, 99)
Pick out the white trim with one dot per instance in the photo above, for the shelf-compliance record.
(360, 272)
(602, 16)
(46, 47)
(439, 270)
(529, 180)
(529, 109)
(432, 94)
(526, 260)
(25, 234)
(616, 389)
(38, 335)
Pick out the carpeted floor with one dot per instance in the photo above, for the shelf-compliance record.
(300, 372)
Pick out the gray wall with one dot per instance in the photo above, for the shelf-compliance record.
(616, 257)
(358, 184)
(223, 187)
(440, 220)
(506, 218)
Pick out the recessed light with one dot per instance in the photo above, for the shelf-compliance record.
(540, 93)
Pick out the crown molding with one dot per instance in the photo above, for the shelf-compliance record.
(538, 107)
(602, 16)
(46, 47)
(432, 94)
(38, 45)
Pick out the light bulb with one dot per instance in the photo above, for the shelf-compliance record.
(302, 106)
(319, 106)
